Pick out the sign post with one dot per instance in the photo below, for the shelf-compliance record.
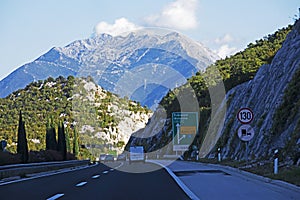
(245, 132)
(184, 127)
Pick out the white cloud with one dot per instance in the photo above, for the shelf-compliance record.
(180, 14)
(119, 27)
(225, 50)
(224, 44)
(225, 39)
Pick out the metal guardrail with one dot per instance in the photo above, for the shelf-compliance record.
(23, 169)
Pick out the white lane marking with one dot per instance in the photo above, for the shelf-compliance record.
(178, 181)
(81, 184)
(50, 174)
(56, 196)
(111, 170)
(105, 172)
(122, 163)
(96, 176)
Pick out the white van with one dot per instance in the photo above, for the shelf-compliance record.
(136, 153)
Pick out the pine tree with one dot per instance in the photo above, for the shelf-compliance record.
(61, 144)
(75, 144)
(22, 147)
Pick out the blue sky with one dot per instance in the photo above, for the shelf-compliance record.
(32, 27)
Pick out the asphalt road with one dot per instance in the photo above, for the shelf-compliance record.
(212, 182)
(98, 182)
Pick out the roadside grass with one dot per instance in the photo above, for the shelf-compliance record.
(290, 174)
(287, 173)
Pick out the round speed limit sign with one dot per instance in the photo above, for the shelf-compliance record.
(245, 115)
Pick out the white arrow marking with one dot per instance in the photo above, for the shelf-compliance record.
(181, 138)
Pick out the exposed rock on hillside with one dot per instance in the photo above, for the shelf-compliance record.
(264, 94)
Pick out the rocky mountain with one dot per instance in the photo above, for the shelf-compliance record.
(142, 65)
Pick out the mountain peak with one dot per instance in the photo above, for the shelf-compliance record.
(146, 56)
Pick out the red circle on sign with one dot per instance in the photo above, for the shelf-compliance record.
(245, 115)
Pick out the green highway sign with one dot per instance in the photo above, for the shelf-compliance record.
(184, 128)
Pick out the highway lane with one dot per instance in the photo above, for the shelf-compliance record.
(99, 182)
(211, 182)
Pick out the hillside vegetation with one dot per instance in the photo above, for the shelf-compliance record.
(234, 70)
(77, 102)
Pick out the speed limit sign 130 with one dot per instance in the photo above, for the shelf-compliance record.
(245, 115)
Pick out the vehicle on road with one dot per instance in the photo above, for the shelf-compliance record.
(109, 158)
(121, 157)
(136, 154)
(102, 157)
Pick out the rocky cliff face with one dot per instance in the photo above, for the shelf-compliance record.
(106, 121)
(264, 95)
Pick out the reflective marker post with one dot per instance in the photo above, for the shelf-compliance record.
(219, 154)
(276, 161)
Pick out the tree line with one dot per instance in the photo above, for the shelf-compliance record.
(55, 140)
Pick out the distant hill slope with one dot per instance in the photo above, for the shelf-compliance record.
(104, 121)
(121, 64)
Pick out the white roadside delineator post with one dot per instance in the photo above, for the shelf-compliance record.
(219, 154)
(276, 161)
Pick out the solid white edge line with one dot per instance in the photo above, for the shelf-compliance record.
(178, 181)
(122, 163)
(45, 175)
(56, 196)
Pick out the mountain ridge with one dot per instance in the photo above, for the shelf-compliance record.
(107, 59)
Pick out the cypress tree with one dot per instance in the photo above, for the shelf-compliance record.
(48, 135)
(22, 147)
(75, 144)
(68, 146)
(51, 143)
(61, 144)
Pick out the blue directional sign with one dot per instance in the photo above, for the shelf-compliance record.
(184, 127)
